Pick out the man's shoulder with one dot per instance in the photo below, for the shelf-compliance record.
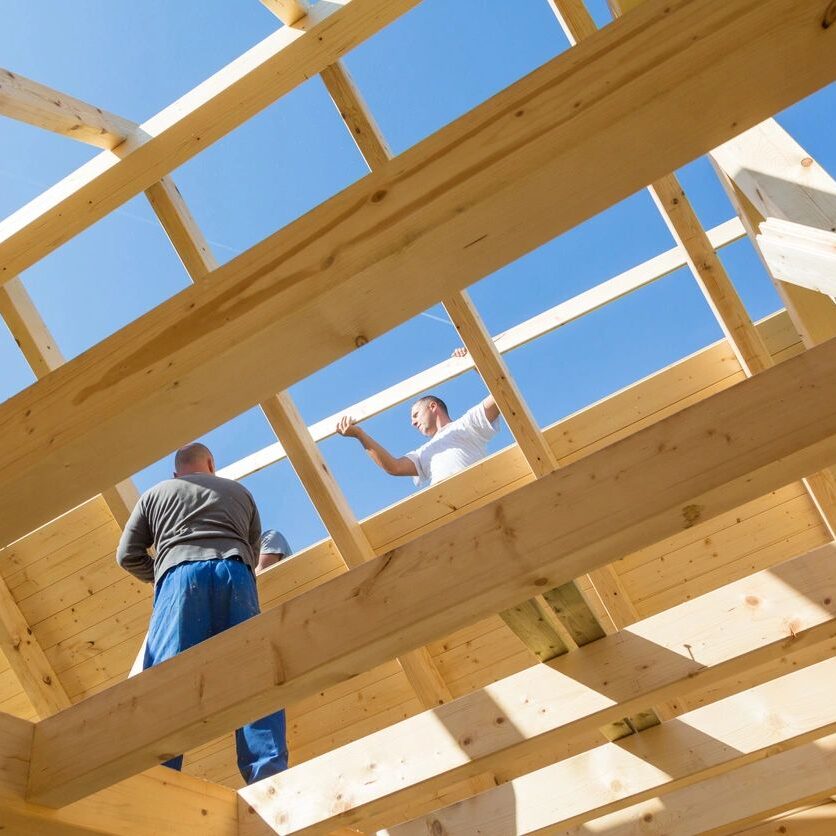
(474, 416)
(187, 484)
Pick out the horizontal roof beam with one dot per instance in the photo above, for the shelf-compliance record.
(428, 222)
(727, 803)
(727, 735)
(41, 106)
(416, 758)
(702, 461)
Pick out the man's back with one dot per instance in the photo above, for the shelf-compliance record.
(198, 516)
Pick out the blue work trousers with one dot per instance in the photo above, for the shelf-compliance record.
(193, 602)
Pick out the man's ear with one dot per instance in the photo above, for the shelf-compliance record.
(212, 464)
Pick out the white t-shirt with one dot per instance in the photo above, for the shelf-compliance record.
(454, 447)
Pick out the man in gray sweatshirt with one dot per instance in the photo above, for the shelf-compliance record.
(206, 533)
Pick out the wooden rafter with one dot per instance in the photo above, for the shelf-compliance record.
(728, 735)
(338, 518)
(774, 426)
(571, 690)
(727, 803)
(18, 643)
(28, 101)
(781, 178)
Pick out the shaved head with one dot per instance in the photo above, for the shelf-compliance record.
(193, 458)
(428, 399)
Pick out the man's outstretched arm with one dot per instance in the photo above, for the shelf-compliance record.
(402, 466)
(491, 409)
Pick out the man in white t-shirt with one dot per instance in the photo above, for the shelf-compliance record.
(453, 444)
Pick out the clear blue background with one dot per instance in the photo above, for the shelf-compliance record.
(435, 63)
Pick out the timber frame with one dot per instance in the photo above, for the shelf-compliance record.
(626, 619)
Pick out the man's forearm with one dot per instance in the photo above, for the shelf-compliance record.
(377, 452)
(139, 563)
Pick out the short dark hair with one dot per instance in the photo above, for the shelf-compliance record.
(426, 399)
(189, 455)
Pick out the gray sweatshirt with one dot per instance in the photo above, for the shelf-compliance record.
(194, 517)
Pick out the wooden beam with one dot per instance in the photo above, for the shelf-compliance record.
(500, 383)
(358, 119)
(814, 820)
(722, 297)
(812, 195)
(800, 254)
(191, 349)
(769, 146)
(727, 803)
(521, 334)
(28, 329)
(289, 12)
(727, 735)
(411, 758)
(317, 479)
(31, 102)
(574, 18)
(28, 660)
(711, 276)
(779, 177)
(704, 460)
(795, 199)
(186, 237)
(34, 103)
(234, 94)
(159, 801)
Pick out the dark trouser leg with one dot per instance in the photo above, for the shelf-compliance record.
(182, 616)
(261, 745)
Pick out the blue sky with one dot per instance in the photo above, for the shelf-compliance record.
(432, 65)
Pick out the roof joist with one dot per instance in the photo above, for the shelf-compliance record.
(707, 459)
(565, 701)
(699, 745)
(406, 236)
(41, 106)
